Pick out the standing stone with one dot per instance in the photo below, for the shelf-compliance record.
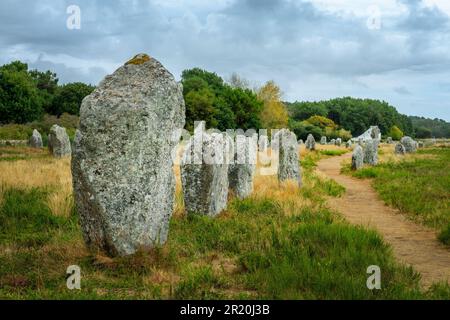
(375, 133)
(420, 144)
(263, 143)
(409, 144)
(289, 162)
(36, 140)
(357, 158)
(242, 171)
(310, 142)
(349, 144)
(300, 142)
(338, 142)
(333, 142)
(389, 140)
(122, 163)
(58, 142)
(400, 149)
(323, 140)
(204, 172)
(371, 152)
(275, 142)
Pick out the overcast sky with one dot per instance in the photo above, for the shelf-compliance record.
(395, 50)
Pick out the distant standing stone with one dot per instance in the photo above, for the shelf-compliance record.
(263, 143)
(357, 158)
(300, 142)
(323, 140)
(389, 140)
(420, 144)
(122, 164)
(409, 144)
(333, 142)
(289, 162)
(36, 140)
(310, 142)
(349, 144)
(338, 142)
(58, 142)
(204, 172)
(371, 152)
(242, 170)
(400, 149)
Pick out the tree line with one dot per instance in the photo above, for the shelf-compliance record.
(30, 96)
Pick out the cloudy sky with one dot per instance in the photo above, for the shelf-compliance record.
(395, 50)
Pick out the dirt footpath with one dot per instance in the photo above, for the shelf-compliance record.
(412, 243)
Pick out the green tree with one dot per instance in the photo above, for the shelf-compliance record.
(423, 133)
(19, 98)
(395, 133)
(68, 98)
(47, 85)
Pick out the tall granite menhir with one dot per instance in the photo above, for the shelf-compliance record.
(122, 163)
(58, 142)
(242, 170)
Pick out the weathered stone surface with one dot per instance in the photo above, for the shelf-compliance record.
(323, 140)
(357, 158)
(338, 142)
(122, 162)
(333, 142)
(371, 152)
(289, 162)
(242, 170)
(36, 140)
(204, 172)
(420, 144)
(310, 142)
(375, 133)
(58, 142)
(400, 149)
(349, 144)
(389, 140)
(409, 144)
(300, 142)
(263, 143)
(275, 141)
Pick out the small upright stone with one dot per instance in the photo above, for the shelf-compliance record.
(389, 140)
(371, 152)
(204, 172)
(36, 140)
(409, 144)
(58, 142)
(289, 162)
(300, 142)
(323, 140)
(333, 142)
(400, 149)
(242, 170)
(275, 141)
(338, 142)
(420, 144)
(357, 158)
(310, 142)
(122, 164)
(263, 143)
(349, 144)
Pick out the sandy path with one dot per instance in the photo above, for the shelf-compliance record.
(412, 244)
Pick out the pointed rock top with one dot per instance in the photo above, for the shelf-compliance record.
(139, 59)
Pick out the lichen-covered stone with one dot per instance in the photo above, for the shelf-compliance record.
(338, 142)
(204, 172)
(139, 59)
(122, 162)
(300, 142)
(263, 143)
(375, 133)
(323, 140)
(242, 170)
(36, 140)
(371, 152)
(310, 142)
(357, 158)
(289, 162)
(349, 144)
(409, 144)
(58, 142)
(400, 149)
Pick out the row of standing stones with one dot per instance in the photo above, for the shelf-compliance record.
(58, 141)
(122, 165)
(122, 159)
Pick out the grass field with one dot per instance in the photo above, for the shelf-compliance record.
(418, 185)
(281, 243)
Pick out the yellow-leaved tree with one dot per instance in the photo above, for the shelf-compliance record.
(274, 114)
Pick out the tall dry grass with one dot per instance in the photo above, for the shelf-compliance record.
(51, 174)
